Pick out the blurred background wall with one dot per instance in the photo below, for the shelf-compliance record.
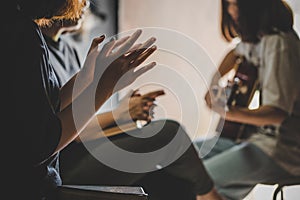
(190, 47)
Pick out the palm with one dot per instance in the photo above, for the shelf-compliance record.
(117, 61)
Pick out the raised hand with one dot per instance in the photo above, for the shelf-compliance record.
(117, 61)
(86, 74)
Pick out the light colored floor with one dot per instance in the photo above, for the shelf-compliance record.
(265, 192)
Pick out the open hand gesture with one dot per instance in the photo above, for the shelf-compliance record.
(117, 61)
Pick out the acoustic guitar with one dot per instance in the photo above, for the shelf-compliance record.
(240, 92)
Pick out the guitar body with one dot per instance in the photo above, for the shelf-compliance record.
(241, 91)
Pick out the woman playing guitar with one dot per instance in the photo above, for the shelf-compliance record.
(267, 41)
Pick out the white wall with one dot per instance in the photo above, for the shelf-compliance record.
(94, 26)
(198, 20)
(295, 5)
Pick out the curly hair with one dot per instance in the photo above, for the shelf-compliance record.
(45, 11)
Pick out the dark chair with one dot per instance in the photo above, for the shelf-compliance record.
(86, 192)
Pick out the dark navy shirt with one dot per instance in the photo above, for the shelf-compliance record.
(31, 103)
(64, 58)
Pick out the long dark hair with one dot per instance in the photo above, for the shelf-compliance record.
(256, 18)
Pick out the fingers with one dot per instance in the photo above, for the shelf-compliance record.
(96, 41)
(148, 43)
(150, 98)
(139, 48)
(129, 43)
(154, 94)
(136, 93)
(140, 52)
(121, 64)
(146, 115)
(118, 43)
(144, 108)
(208, 100)
(108, 47)
(125, 46)
(134, 48)
(139, 56)
(112, 46)
(139, 113)
(149, 112)
(144, 69)
(147, 103)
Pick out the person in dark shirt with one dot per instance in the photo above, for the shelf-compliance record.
(77, 162)
(39, 114)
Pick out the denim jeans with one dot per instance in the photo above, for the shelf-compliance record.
(237, 168)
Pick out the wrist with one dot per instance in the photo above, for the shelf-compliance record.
(120, 116)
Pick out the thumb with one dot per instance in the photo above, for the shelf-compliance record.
(96, 41)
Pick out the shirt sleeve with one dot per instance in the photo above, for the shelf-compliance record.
(240, 49)
(278, 72)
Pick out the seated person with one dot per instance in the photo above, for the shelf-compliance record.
(172, 154)
(40, 114)
(269, 42)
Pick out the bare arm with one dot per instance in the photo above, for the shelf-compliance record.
(85, 76)
(133, 106)
(226, 65)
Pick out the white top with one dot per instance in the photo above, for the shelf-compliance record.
(278, 59)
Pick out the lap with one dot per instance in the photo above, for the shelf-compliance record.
(179, 162)
(79, 162)
(83, 162)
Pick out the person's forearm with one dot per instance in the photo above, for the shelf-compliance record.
(77, 115)
(226, 65)
(81, 79)
(91, 132)
(106, 119)
(265, 115)
(67, 92)
(228, 62)
(97, 126)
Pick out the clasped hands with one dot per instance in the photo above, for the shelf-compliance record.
(135, 106)
(216, 99)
